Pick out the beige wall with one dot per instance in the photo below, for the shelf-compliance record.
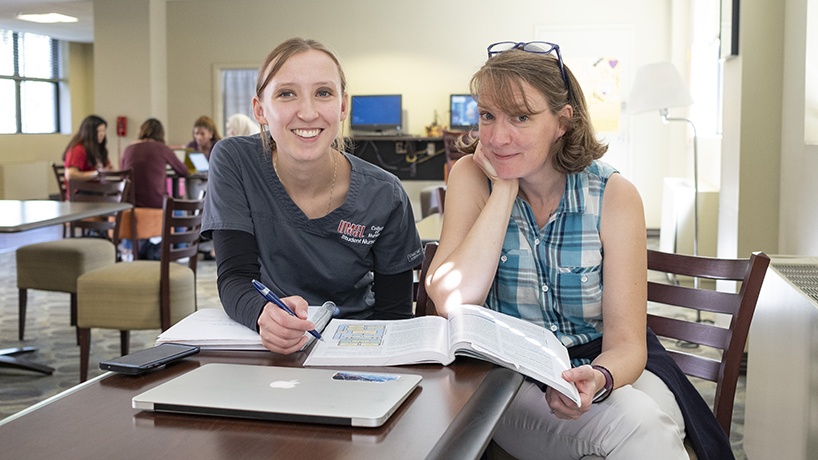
(798, 219)
(423, 49)
(751, 153)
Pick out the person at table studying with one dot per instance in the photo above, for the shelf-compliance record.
(87, 151)
(288, 207)
(205, 136)
(534, 223)
(147, 157)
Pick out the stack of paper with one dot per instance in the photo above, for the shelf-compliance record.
(212, 329)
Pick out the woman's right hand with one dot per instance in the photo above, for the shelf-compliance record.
(482, 161)
(282, 333)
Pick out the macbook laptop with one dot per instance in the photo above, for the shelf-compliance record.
(199, 161)
(289, 394)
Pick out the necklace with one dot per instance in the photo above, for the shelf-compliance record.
(334, 175)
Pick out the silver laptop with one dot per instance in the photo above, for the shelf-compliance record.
(289, 394)
(199, 161)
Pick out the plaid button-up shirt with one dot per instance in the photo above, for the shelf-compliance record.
(552, 276)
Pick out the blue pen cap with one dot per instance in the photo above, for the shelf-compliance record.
(331, 305)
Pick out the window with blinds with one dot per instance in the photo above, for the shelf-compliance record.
(30, 80)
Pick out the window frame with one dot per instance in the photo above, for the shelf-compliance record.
(58, 80)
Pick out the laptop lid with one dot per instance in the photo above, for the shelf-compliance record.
(289, 394)
(199, 161)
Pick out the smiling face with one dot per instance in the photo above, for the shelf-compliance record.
(303, 105)
(519, 144)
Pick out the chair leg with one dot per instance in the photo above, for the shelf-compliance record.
(124, 341)
(74, 314)
(85, 352)
(23, 297)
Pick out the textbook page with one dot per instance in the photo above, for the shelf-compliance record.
(211, 328)
(511, 342)
(382, 343)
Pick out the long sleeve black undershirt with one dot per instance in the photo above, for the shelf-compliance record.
(237, 259)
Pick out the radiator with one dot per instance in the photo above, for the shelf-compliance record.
(781, 407)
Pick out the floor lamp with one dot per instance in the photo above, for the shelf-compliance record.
(660, 86)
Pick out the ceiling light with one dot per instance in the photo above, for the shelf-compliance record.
(46, 18)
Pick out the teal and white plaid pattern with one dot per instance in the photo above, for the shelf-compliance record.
(553, 276)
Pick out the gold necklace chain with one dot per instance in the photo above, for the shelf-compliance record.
(334, 175)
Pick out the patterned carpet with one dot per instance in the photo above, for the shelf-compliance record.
(47, 328)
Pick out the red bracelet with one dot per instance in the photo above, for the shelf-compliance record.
(605, 392)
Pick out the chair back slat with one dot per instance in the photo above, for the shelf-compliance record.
(59, 173)
(180, 239)
(697, 366)
(731, 341)
(682, 296)
(698, 266)
(689, 331)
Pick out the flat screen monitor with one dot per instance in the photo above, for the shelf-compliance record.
(464, 115)
(379, 114)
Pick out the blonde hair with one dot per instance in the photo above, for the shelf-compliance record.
(242, 125)
(500, 79)
(275, 60)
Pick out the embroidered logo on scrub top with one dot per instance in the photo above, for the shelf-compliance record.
(357, 233)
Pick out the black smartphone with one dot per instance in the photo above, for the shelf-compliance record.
(143, 360)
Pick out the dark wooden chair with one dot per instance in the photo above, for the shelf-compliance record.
(56, 265)
(450, 146)
(59, 173)
(423, 304)
(90, 191)
(143, 294)
(439, 196)
(740, 306)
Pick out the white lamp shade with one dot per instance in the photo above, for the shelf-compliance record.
(658, 86)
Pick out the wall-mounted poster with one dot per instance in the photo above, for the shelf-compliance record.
(600, 79)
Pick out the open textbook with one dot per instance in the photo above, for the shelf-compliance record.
(211, 328)
(470, 330)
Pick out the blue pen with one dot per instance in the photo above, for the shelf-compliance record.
(269, 295)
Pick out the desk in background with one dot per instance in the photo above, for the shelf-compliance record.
(19, 216)
(404, 156)
(452, 414)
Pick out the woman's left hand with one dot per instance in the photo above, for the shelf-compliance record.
(561, 406)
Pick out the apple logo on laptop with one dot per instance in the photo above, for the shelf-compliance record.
(286, 384)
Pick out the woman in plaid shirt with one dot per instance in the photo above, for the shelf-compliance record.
(530, 218)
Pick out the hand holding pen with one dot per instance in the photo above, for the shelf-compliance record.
(272, 298)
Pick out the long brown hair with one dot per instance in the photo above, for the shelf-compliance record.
(95, 152)
(277, 58)
(500, 79)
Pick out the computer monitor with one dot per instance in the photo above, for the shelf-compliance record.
(464, 114)
(379, 114)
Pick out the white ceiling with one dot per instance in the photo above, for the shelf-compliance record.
(80, 31)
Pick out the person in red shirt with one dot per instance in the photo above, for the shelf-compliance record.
(87, 152)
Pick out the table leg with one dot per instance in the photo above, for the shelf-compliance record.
(7, 359)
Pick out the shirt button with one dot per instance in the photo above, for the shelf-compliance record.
(584, 278)
(504, 258)
(544, 288)
(537, 241)
(554, 328)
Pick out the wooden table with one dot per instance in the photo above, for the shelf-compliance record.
(451, 415)
(19, 216)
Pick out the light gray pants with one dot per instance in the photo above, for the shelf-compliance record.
(639, 421)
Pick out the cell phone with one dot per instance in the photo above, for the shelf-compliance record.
(150, 358)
